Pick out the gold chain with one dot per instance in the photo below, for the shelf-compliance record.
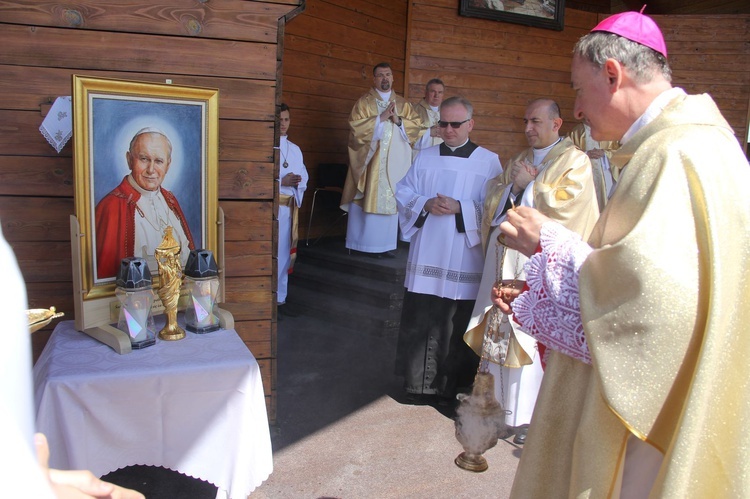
(285, 164)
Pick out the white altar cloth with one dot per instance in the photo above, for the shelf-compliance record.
(195, 406)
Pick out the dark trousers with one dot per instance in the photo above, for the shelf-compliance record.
(431, 354)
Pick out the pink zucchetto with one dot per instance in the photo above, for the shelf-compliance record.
(635, 27)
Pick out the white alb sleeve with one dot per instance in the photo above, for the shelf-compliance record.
(550, 309)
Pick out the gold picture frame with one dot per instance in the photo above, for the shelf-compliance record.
(107, 115)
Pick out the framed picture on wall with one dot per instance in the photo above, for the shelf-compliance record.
(537, 13)
(145, 159)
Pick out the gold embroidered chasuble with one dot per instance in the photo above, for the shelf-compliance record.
(664, 303)
(375, 171)
(429, 119)
(582, 141)
(291, 203)
(563, 191)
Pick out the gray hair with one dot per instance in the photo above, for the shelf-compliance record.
(150, 129)
(643, 62)
(434, 81)
(459, 101)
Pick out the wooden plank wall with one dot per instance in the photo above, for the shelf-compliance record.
(498, 66)
(226, 44)
(329, 52)
(711, 54)
(330, 48)
(589, 5)
(672, 7)
(501, 66)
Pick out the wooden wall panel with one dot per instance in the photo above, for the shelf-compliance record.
(602, 6)
(330, 50)
(245, 180)
(672, 7)
(56, 47)
(231, 45)
(32, 86)
(237, 19)
(250, 258)
(500, 67)
(710, 54)
(37, 175)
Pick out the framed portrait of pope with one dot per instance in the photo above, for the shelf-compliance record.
(145, 159)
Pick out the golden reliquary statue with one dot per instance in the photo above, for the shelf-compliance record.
(170, 280)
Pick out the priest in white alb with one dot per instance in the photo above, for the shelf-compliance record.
(440, 209)
(292, 185)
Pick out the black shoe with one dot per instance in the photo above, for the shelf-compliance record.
(285, 310)
(447, 401)
(520, 437)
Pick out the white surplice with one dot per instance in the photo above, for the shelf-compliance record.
(443, 261)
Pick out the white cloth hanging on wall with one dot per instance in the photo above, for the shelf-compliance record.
(57, 126)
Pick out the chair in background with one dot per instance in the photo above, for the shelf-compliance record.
(331, 178)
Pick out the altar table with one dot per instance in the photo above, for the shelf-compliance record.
(195, 406)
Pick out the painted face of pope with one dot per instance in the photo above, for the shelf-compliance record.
(149, 158)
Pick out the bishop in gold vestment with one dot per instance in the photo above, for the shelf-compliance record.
(648, 395)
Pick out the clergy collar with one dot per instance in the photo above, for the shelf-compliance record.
(539, 155)
(549, 147)
(462, 151)
(143, 192)
(386, 96)
(652, 111)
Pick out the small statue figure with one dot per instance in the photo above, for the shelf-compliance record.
(170, 281)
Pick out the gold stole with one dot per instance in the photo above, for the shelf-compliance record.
(286, 200)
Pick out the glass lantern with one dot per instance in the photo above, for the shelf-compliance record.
(133, 290)
(202, 285)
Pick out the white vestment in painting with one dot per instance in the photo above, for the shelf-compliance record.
(151, 219)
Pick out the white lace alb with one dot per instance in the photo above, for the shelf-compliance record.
(550, 309)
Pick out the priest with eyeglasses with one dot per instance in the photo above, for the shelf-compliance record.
(440, 210)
